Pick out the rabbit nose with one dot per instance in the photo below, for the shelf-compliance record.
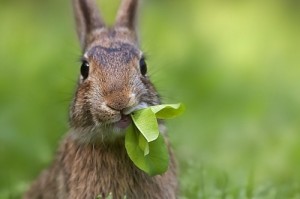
(117, 103)
(115, 106)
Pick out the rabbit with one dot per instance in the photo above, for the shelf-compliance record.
(91, 161)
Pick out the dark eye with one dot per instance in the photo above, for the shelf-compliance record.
(84, 70)
(143, 66)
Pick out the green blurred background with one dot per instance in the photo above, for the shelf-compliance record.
(235, 64)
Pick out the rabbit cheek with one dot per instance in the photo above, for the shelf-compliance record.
(81, 117)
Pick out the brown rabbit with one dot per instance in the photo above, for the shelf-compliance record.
(92, 159)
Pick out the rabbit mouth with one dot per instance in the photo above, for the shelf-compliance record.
(124, 122)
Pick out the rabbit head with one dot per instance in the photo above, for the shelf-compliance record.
(113, 74)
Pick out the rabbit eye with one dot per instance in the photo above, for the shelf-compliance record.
(84, 69)
(143, 66)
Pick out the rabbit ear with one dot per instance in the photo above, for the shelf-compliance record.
(87, 18)
(126, 16)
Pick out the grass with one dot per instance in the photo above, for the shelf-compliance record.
(235, 66)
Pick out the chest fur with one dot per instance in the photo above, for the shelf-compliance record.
(92, 170)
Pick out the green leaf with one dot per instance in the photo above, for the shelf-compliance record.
(143, 144)
(167, 111)
(157, 160)
(145, 120)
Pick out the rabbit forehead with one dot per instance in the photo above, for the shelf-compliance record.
(116, 54)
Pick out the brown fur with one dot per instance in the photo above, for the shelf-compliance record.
(86, 171)
(92, 159)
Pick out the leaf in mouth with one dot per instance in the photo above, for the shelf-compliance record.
(144, 143)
